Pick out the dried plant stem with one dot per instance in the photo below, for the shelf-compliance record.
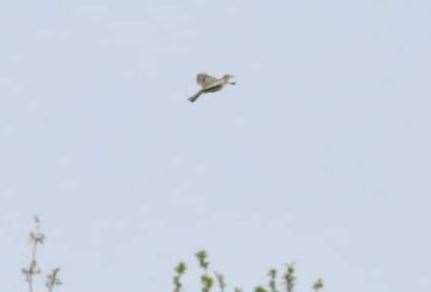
(53, 279)
(33, 265)
(30, 284)
(37, 238)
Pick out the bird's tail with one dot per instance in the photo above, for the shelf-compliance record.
(195, 97)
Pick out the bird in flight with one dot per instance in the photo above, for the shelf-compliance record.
(209, 83)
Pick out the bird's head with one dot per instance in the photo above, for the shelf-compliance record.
(228, 79)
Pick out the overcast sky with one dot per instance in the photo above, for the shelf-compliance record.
(319, 156)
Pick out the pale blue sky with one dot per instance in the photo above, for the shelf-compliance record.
(320, 155)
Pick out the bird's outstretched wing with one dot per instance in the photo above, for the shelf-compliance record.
(196, 96)
(205, 80)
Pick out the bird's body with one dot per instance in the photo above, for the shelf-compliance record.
(210, 84)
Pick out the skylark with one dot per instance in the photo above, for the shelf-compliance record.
(211, 84)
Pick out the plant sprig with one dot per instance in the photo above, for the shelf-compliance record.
(37, 239)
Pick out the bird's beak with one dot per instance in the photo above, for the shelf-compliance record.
(232, 82)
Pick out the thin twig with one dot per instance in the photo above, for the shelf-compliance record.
(36, 238)
(53, 279)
